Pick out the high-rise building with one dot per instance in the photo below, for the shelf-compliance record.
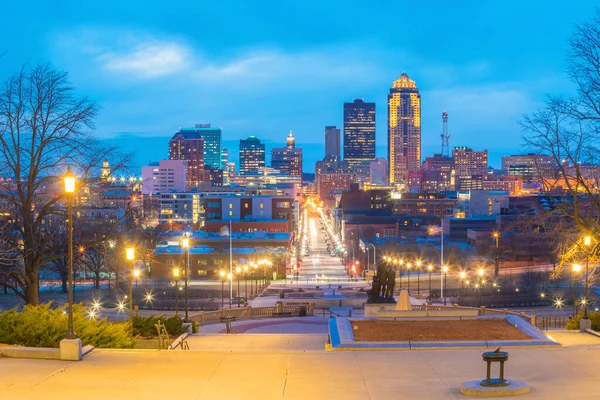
(359, 131)
(288, 159)
(212, 142)
(252, 155)
(532, 167)
(471, 168)
(404, 129)
(332, 141)
(438, 174)
(165, 176)
(189, 147)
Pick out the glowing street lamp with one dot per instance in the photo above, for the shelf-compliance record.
(69, 180)
(130, 255)
(445, 271)
(222, 275)
(430, 269)
(576, 270)
(185, 243)
(176, 276)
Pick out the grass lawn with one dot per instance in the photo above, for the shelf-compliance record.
(420, 331)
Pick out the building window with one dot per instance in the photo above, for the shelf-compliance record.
(230, 213)
(262, 205)
(230, 205)
(169, 262)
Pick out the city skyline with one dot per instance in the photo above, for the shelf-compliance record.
(151, 78)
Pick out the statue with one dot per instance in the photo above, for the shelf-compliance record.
(391, 283)
(375, 290)
(382, 286)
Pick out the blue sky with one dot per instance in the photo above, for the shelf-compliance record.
(265, 67)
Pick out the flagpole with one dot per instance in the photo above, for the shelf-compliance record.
(230, 264)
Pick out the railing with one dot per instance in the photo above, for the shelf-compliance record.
(253, 312)
(545, 322)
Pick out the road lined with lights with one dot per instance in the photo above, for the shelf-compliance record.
(319, 243)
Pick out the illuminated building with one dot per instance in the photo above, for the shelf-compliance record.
(189, 146)
(329, 182)
(438, 174)
(212, 142)
(359, 132)
(404, 129)
(179, 209)
(164, 176)
(332, 141)
(252, 155)
(508, 183)
(531, 167)
(105, 171)
(471, 168)
(288, 160)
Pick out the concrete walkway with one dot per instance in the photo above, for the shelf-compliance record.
(573, 338)
(566, 373)
(293, 325)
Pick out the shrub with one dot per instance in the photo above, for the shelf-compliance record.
(43, 326)
(593, 316)
(144, 326)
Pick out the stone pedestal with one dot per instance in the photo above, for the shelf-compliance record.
(585, 324)
(474, 388)
(371, 309)
(70, 350)
(188, 327)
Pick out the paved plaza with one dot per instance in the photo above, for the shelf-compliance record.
(246, 367)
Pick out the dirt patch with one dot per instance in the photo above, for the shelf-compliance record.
(421, 331)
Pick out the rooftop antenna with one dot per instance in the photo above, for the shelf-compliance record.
(445, 136)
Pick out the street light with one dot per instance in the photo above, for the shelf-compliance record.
(222, 275)
(246, 282)
(445, 271)
(230, 279)
(463, 275)
(430, 268)
(185, 243)
(587, 241)
(418, 277)
(408, 279)
(69, 179)
(176, 276)
(238, 270)
(576, 270)
(130, 255)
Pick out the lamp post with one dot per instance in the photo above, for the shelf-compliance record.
(246, 282)
(230, 279)
(69, 180)
(374, 256)
(463, 275)
(176, 276)
(222, 275)
(408, 279)
(430, 268)
(185, 243)
(586, 241)
(130, 255)
(238, 271)
(418, 277)
(576, 269)
(445, 271)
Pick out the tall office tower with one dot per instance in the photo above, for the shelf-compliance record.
(332, 141)
(359, 132)
(252, 155)
(404, 129)
(288, 159)
(212, 142)
(189, 146)
(165, 176)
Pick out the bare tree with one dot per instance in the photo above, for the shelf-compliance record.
(44, 127)
(568, 130)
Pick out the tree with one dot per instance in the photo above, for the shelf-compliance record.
(44, 127)
(568, 130)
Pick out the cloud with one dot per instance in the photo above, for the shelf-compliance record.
(148, 59)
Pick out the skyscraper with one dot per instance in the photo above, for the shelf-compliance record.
(404, 129)
(332, 141)
(212, 142)
(252, 155)
(359, 131)
(288, 159)
(189, 146)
